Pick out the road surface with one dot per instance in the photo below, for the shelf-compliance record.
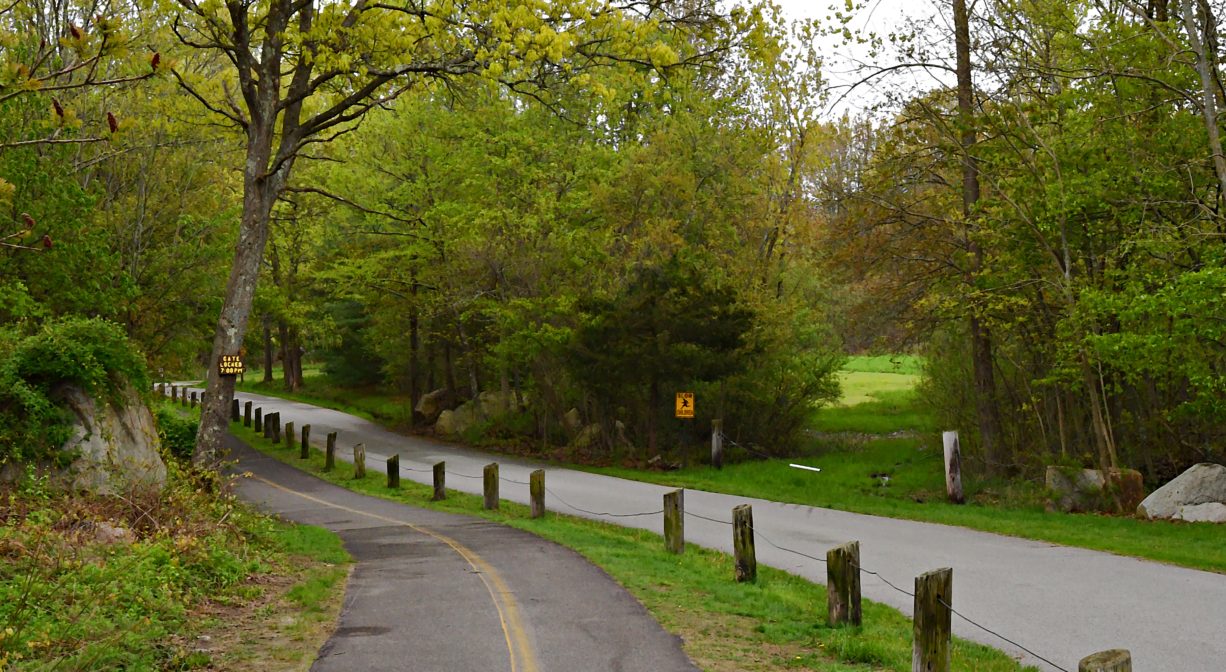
(1062, 603)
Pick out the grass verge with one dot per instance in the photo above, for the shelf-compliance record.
(774, 624)
(186, 578)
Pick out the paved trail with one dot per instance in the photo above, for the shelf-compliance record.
(435, 591)
(1063, 603)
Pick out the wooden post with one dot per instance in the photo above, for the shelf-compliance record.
(234, 410)
(491, 485)
(742, 543)
(259, 420)
(247, 414)
(193, 402)
(440, 482)
(933, 620)
(174, 394)
(330, 452)
(162, 389)
(305, 453)
(289, 435)
(1115, 660)
(717, 444)
(674, 521)
(359, 461)
(953, 467)
(183, 397)
(276, 427)
(536, 488)
(393, 471)
(843, 585)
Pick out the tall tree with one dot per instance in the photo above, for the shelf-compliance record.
(304, 71)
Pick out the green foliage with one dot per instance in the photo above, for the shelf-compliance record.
(176, 432)
(92, 354)
(351, 361)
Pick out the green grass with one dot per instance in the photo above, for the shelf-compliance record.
(370, 404)
(774, 624)
(70, 601)
(851, 480)
(900, 364)
(884, 411)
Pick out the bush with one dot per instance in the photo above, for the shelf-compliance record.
(90, 353)
(178, 433)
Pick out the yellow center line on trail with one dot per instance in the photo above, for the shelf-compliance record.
(523, 658)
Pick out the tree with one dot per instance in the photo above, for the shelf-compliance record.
(305, 71)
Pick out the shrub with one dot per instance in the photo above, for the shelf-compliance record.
(93, 354)
(177, 433)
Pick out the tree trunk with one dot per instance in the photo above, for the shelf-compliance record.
(1204, 68)
(414, 362)
(259, 192)
(267, 348)
(981, 337)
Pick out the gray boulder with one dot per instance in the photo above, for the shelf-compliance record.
(1203, 483)
(1075, 490)
(114, 444)
(1213, 512)
(432, 404)
(458, 421)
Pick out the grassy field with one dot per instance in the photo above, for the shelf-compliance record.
(777, 623)
(194, 581)
(882, 457)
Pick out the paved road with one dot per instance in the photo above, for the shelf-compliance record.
(434, 591)
(1063, 603)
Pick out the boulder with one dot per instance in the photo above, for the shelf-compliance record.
(572, 421)
(114, 445)
(106, 533)
(494, 403)
(1211, 512)
(458, 421)
(432, 404)
(1075, 490)
(587, 438)
(1086, 490)
(1203, 483)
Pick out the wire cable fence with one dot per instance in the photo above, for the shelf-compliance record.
(758, 534)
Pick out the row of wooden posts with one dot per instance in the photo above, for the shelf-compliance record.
(932, 610)
(270, 426)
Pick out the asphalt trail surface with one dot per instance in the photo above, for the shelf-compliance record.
(434, 591)
(1060, 602)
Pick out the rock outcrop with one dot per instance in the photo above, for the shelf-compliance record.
(114, 444)
(1190, 496)
(1086, 490)
(433, 404)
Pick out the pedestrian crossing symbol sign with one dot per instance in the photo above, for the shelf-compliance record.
(685, 404)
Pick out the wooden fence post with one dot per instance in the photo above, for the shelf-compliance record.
(674, 521)
(933, 620)
(247, 414)
(843, 585)
(174, 394)
(234, 417)
(742, 543)
(536, 488)
(183, 397)
(330, 452)
(289, 435)
(305, 452)
(953, 467)
(359, 461)
(194, 399)
(162, 389)
(717, 444)
(1115, 660)
(440, 482)
(259, 420)
(276, 427)
(393, 471)
(491, 485)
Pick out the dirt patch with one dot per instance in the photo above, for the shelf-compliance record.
(271, 631)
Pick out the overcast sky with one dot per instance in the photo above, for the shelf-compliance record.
(879, 16)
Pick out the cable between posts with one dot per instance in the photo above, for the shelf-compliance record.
(764, 537)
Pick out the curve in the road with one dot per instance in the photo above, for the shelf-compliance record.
(438, 591)
(1061, 602)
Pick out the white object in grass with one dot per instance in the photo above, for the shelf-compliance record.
(801, 466)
